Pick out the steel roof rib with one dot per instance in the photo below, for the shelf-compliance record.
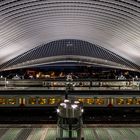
(112, 26)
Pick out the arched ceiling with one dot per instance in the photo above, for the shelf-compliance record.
(111, 24)
(69, 50)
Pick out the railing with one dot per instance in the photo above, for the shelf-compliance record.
(81, 84)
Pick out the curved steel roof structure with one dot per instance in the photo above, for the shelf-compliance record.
(69, 50)
(111, 26)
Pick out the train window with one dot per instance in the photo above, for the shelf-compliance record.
(120, 101)
(55, 100)
(32, 100)
(2, 100)
(42, 101)
(138, 101)
(52, 101)
(99, 101)
(82, 100)
(129, 101)
(12, 101)
(90, 101)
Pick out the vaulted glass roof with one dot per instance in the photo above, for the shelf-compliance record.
(69, 50)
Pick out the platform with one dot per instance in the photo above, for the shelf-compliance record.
(48, 132)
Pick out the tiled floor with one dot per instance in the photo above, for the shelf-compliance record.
(48, 132)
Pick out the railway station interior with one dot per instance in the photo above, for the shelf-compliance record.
(69, 70)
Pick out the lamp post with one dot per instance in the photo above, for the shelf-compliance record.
(70, 120)
(5, 82)
(69, 85)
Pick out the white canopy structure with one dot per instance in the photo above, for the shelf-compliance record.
(102, 32)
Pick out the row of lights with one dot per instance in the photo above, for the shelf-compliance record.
(90, 101)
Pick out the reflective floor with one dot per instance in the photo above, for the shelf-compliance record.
(48, 132)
